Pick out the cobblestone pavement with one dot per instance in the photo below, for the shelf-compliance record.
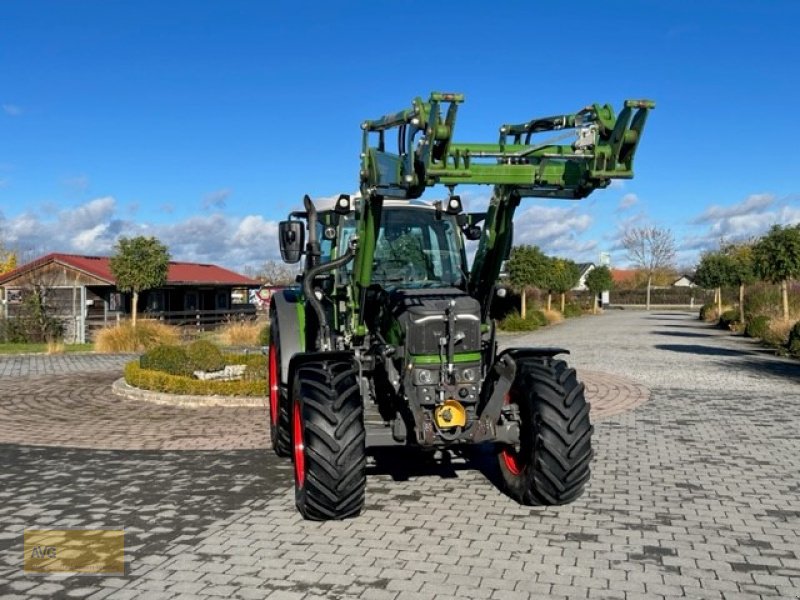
(694, 494)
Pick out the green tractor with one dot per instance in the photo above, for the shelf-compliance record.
(390, 338)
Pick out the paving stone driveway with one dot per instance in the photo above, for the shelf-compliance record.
(695, 493)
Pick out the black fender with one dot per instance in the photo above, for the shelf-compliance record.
(501, 376)
(285, 305)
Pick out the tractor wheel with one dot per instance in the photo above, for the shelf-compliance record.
(279, 430)
(328, 441)
(550, 465)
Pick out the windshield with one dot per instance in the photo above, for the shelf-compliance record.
(415, 249)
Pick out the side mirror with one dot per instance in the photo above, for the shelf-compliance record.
(292, 237)
(472, 232)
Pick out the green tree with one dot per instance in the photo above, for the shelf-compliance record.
(776, 258)
(715, 270)
(650, 249)
(527, 267)
(599, 280)
(564, 275)
(742, 271)
(139, 264)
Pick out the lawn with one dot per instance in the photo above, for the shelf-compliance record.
(7, 348)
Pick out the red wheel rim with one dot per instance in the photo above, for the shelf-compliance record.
(510, 456)
(299, 447)
(273, 384)
(512, 461)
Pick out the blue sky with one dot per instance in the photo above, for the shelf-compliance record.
(205, 122)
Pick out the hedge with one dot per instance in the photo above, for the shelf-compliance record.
(159, 381)
(205, 356)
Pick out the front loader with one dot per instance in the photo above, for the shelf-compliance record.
(390, 336)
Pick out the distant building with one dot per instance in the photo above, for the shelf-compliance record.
(585, 269)
(624, 277)
(82, 292)
(684, 281)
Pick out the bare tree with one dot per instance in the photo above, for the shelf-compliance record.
(650, 249)
(273, 272)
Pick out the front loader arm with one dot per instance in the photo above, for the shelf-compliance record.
(592, 146)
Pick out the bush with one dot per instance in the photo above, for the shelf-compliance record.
(159, 381)
(572, 310)
(514, 322)
(167, 359)
(757, 327)
(538, 317)
(729, 320)
(552, 316)
(794, 340)
(263, 336)
(126, 338)
(708, 312)
(205, 356)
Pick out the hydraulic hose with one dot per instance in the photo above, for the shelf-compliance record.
(324, 335)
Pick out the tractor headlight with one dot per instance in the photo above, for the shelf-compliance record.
(468, 374)
(424, 377)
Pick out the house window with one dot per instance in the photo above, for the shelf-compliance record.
(155, 301)
(222, 300)
(14, 296)
(115, 301)
(190, 301)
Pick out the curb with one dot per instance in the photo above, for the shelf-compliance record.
(121, 388)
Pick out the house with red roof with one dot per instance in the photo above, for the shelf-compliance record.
(81, 291)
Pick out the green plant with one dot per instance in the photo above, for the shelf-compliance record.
(757, 327)
(794, 340)
(572, 310)
(776, 258)
(514, 322)
(729, 320)
(160, 381)
(138, 264)
(263, 336)
(167, 359)
(205, 356)
(708, 312)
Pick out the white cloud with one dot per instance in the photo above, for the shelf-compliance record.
(93, 228)
(216, 199)
(12, 110)
(556, 230)
(628, 201)
(754, 203)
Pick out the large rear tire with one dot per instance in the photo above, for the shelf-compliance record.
(550, 465)
(279, 427)
(328, 440)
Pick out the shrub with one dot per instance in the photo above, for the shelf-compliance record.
(552, 316)
(708, 312)
(159, 381)
(240, 333)
(778, 332)
(729, 320)
(538, 317)
(167, 359)
(204, 356)
(794, 340)
(146, 335)
(757, 327)
(263, 336)
(572, 310)
(514, 322)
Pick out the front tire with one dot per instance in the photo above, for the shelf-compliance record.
(550, 465)
(328, 441)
